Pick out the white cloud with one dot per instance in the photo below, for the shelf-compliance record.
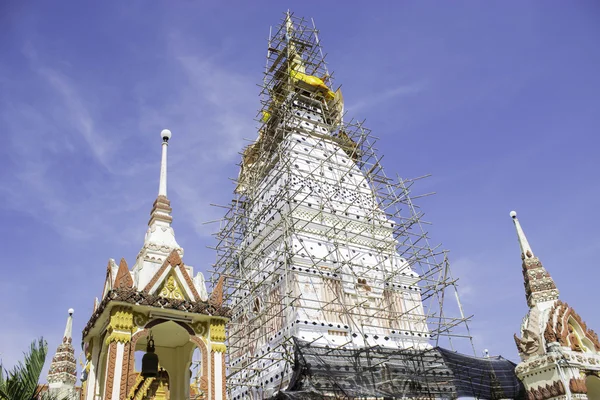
(74, 112)
(376, 99)
(210, 110)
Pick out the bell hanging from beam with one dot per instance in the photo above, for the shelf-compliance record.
(150, 360)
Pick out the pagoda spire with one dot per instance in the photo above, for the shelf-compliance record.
(525, 247)
(160, 232)
(162, 185)
(68, 335)
(62, 374)
(539, 286)
(159, 240)
(161, 209)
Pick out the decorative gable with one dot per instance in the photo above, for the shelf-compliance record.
(216, 297)
(171, 288)
(566, 327)
(172, 279)
(123, 279)
(111, 273)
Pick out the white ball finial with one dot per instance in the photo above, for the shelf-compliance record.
(71, 311)
(513, 214)
(165, 134)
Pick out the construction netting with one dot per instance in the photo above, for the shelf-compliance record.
(384, 373)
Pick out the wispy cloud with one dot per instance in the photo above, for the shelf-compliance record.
(49, 137)
(76, 114)
(69, 170)
(210, 110)
(376, 99)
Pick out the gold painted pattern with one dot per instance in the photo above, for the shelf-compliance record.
(219, 347)
(217, 330)
(171, 289)
(121, 325)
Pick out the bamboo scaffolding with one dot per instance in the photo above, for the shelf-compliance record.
(260, 246)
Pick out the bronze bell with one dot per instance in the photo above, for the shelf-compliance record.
(150, 360)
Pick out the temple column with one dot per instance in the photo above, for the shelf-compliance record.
(217, 359)
(119, 333)
(93, 359)
(218, 372)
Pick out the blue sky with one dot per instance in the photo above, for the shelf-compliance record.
(498, 100)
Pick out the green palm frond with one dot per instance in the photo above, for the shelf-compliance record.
(21, 383)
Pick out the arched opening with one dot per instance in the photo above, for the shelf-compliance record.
(174, 351)
(137, 356)
(198, 370)
(102, 369)
(592, 382)
(195, 372)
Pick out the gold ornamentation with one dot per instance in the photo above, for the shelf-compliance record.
(121, 325)
(143, 391)
(219, 347)
(171, 289)
(174, 260)
(161, 392)
(140, 319)
(200, 328)
(88, 350)
(217, 330)
(574, 340)
(138, 381)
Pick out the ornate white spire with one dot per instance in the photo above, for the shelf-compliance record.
(162, 186)
(161, 210)
(159, 241)
(525, 247)
(160, 232)
(539, 286)
(63, 368)
(69, 328)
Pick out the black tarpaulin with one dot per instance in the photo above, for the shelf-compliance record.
(483, 378)
(378, 372)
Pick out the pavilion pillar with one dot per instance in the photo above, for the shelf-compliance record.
(217, 359)
(118, 340)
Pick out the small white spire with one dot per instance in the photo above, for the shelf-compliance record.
(525, 247)
(69, 328)
(62, 373)
(160, 237)
(165, 135)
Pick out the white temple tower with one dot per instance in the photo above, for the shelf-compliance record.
(312, 251)
(62, 374)
(560, 354)
(159, 301)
